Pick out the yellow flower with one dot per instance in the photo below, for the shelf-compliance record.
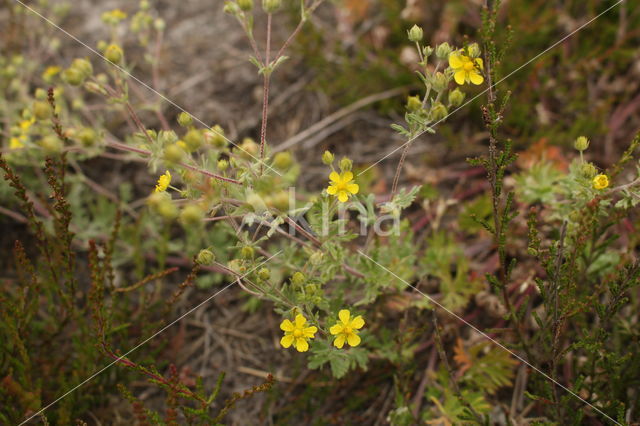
(345, 330)
(341, 185)
(26, 124)
(50, 72)
(15, 143)
(114, 16)
(163, 182)
(600, 182)
(466, 69)
(295, 333)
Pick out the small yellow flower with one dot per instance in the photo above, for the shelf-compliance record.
(466, 69)
(113, 17)
(345, 330)
(15, 143)
(341, 185)
(26, 124)
(295, 333)
(163, 182)
(50, 72)
(600, 182)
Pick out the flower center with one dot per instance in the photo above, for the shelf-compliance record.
(468, 65)
(297, 332)
(347, 330)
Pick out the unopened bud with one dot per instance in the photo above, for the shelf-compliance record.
(327, 158)
(581, 143)
(113, 53)
(264, 274)
(456, 97)
(474, 50)
(205, 257)
(443, 50)
(346, 164)
(438, 112)
(184, 119)
(415, 34)
(271, 6)
(414, 103)
(245, 5)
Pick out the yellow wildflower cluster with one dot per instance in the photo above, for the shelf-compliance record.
(17, 142)
(163, 182)
(345, 330)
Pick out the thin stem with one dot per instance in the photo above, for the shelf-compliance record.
(265, 93)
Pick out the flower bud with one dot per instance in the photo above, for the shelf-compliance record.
(191, 215)
(439, 82)
(248, 148)
(588, 170)
(474, 50)
(83, 65)
(247, 252)
(456, 97)
(184, 119)
(414, 103)
(327, 158)
(231, 8)
(167, 137)
(223, 165)
(73, 76)
(245, 5)
(236, 266)
(283, 160)
(256, 202)
(93, 87)
(41, 110)
(271, 6)
(415, 34)
(193, 139)
(438, 112)
(87, 136)
(443, 50)
(167, 209)
(159, 25)
(264, 274)
(40, 94)
(298, 278)
(173, 153)
(280, 200)
(346, 164)
(427, 51)
(113, 53)
(316, 258)
(51, 144)
(205, 257)
(581, 143)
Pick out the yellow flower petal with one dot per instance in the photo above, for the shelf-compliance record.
(286, 340)
(476, 78)
(353, 339)
(332, 189)
(347, 176)
(339, 342)
(357, 322)
(302, 345)
(300, 321)
(344, 316)
(353, 188)
(459, 77)
(479, 63)
(454, 60)
(309, 332)
(343, 196)
(336, 329)
(334, 177)
(286, 325)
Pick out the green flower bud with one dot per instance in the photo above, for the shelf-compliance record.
(415, 34)
(271, 6)
(247, 252)
(94, 87)
(283, 160)
(256, 202)
(316, 258)
(438, 112)
(184, 119)
(156, 198)
(456, 97)
(216, 137)
(167, 209)
(414, 103)
(236, 266)
(41, 94)
(443, 50)
(114, 53)
(191, 215)
(205, 257)
(581, 143)
(280, 200)
(159, 25)
(327, 158)
(41, 110)
(439, 82)
(298, 278)
(532, 251)
(474, 50)
(248, 148)
(102, 45)
(245, 5)
(193, 139)
(87, 136)
(231, 8)
(264, 274)
(223, 165)
(427, 51)
(588, 170)
(51, 144)
(346, 164)
(173, 154)
(73, 76)
(83, 65)
(167, 137)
